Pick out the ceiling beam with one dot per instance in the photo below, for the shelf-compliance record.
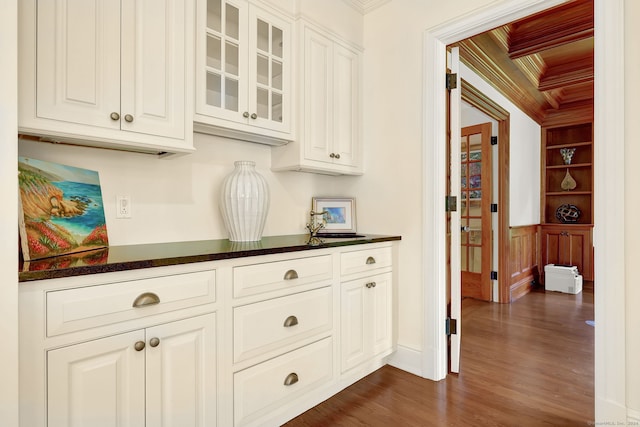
(568, 74)
(568, 23)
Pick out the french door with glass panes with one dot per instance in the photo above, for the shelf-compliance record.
(243, 64)
(475, 215)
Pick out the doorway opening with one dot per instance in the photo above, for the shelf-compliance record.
(609, 119)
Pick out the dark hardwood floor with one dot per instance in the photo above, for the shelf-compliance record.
(529, 363)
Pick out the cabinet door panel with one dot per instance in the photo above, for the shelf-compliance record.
(98, 383)
(153, 67)
(354, 312)
(269, 65)
(568, 246)
(380, 319)
(181, 377)
(221, 60)
(347, 106)
(317, 96)
(78, 61)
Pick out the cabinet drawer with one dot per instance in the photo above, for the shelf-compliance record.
(267, 277)
(365, 261)
(82, 308)
(262, 387)
(274, 323)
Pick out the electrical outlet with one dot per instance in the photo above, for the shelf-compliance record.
(123, 206)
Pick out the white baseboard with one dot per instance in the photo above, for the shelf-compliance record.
(407, 359)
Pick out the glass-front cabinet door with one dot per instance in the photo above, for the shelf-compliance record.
(243, 67)
(267, 70)
(224, 76)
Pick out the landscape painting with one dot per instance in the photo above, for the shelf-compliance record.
(61, 209)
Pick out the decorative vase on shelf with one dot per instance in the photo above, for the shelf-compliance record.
(568, 183)
(567, 155)
(244, 202)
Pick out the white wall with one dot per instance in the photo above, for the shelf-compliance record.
(177, 199)
(8, 216)
(524, 156)
(632, 202)
(393, 41)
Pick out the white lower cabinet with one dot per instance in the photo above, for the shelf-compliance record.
(366, 328)
(159, 376)
(242, 342)
(279, 381)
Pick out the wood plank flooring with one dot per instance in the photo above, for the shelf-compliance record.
(529, 363)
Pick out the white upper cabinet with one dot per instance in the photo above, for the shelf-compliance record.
(107, 73)
(329, 133)
(243, 72)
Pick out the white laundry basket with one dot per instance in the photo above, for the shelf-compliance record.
(562, 278)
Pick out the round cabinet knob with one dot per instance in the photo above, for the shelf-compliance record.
(154, 342)
(245, 114)
(139, 345)
(337, 156)
(332, 155)
(128, 118)
(254, 116)
(114, 116)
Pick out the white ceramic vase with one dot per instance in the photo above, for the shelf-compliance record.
(244, 202)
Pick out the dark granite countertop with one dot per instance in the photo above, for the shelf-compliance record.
(132, 257)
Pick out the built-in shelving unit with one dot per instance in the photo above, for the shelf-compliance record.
(568, 241)
(580, 138)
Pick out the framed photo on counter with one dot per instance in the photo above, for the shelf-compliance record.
(339, 214)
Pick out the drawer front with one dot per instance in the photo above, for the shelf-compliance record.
(259, 278)
(281, 380)
(82, 308)
(365, 261)
(272, 324)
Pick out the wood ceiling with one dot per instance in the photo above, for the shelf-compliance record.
(542, 63)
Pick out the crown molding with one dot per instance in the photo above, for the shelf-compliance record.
(365, 6)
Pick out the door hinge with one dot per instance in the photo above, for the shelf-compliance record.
(494, 207)
(451, 81)
(494, 275)
(451, 326)
(494, 140)
(451, 203)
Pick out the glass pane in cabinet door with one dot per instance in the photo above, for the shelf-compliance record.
(262, 71)
(263, 36)
(214, 53)
(276, 107)
(262, 101)
(276, 42)
(276, 75)
(232, 22)
(231, 94)
(214, 91)
(231, 61)
(214, 15)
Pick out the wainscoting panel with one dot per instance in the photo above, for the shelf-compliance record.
(523, 260)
